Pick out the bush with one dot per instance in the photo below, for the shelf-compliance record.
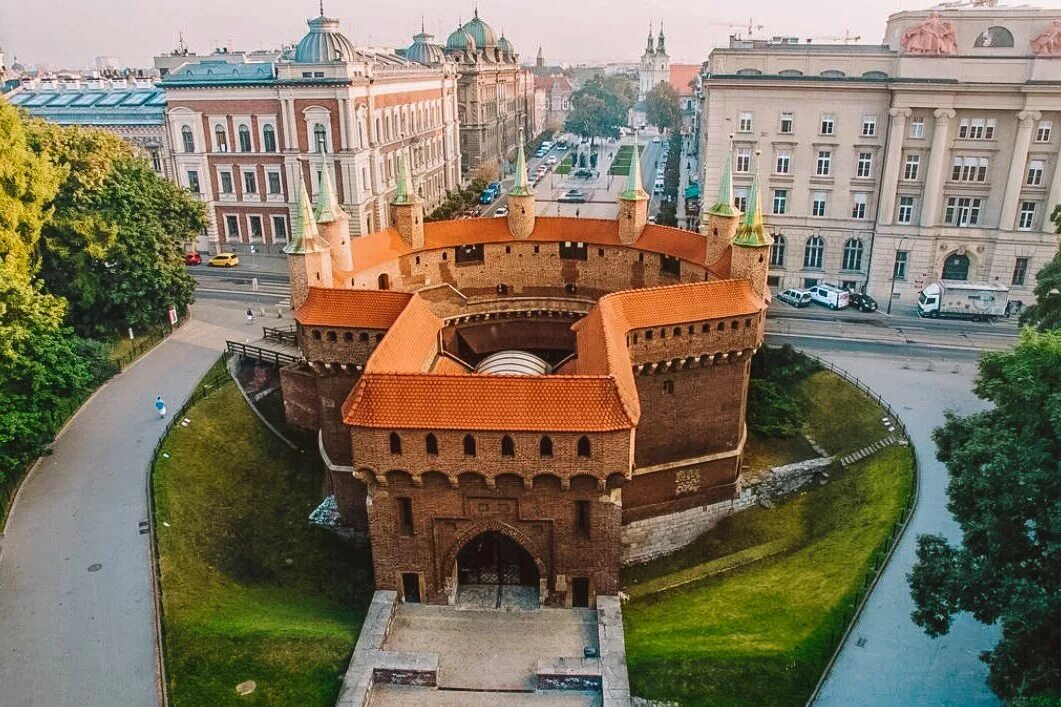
(776, 405)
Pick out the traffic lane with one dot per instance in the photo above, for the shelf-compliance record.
(783, 310)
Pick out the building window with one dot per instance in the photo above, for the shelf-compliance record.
(156, 161)
(256, 227)
(901, 259)
(331, 336)
(508, 447)
(469, 446)
(825, 163)
(383, 282)
(583, 447)
(818, 204)
(274, 182)
(250, 183)
(784, 161)
(279, 228)
(813, 252)
(906, 209)
(232, 226)
(1042, 133)
(188, 139)
(320, 138)
(269, 138)
(780, 200)
(572, 250)
(395, 443)
(828, 126)
(431, 444)
(1020, 271)
(363, 336)
(786, 123)
(869, 125)
(740, 198)
(220, 139)
(962, 211)
(910, 169)
(956, 267)
(405, 516)
(777, 252)
(917, 128)
(193, 182)
(670, 265)
(864, 169)
(244, 139)
(226, 181)
(744, 159)
(744, 123)
(582, 519)
(858, 207)
(1035, 173)
(545, 448)
(969, 169)
(1026, 221)
(976, 129)
(853, 254)
(668, 386)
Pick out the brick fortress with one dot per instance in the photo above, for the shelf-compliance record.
(496, 398)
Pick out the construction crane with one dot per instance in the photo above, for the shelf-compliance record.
(750, 28)
(847, 38)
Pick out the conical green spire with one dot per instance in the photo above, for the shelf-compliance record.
(521, 187)
(635, 190)
(750, 232)
(405, 194)
(304, 235)
(327, 205)
(724, 206)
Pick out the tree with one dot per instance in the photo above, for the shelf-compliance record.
(27, 183)
(1005, 492)
(662, 107)
(1046, 312)
(600, 106)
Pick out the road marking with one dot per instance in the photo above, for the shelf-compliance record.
(241, 292)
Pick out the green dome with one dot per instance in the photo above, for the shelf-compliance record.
(460, 40)
(482, 33)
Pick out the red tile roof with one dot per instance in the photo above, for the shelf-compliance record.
(355, 309)
(411, 344)
(681, 75)
(483, 402)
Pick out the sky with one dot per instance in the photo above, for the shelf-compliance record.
(70, 33)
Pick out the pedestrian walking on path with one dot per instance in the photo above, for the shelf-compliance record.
(160, 405)
(250, 316)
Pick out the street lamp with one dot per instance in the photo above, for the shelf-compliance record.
(895, 263)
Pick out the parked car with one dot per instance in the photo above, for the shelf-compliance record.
(193, 258)
(655, 139)
(862, 302)
(574, 196)
(796, 298)
(561, 144)
(224, 260)
(551, 159)
(831, 297)
(501, 211)
(492, 191)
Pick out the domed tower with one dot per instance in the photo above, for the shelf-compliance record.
(324, 43)
(633, 202)
(521, 204)
(333, 223)
(460, 43)
(309, 260)
(719, 223)
(508, 53)
(751, 245)
(408, 209)
(424, 50)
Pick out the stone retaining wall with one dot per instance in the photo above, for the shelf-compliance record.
(647, 539)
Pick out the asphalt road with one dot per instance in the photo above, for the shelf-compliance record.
(76, 608)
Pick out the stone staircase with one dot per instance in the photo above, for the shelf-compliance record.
(872, 449)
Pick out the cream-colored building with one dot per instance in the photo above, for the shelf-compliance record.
(934, 154)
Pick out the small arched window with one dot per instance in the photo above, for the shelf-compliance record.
(777, 252)
(994, 37)
(431, 444)
(269, 138)
(395, 443)
(833, 73)
(331, 336)
(508, 447)
(813, 252)
(677, 331)
(188, 139)
(469, 446)
(583, 447)
(363, 337)
(244, 139)
(853, 254)
(668, 387)
(220, 139)
(545, 447)
(320, 138)
(384, 281)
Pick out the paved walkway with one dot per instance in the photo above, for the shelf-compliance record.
(897, 664)
(76, 624)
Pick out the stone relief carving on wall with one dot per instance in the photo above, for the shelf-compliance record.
(1048, 42)
(933, 36)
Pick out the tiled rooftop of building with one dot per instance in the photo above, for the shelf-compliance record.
(676, 304)
(100, 105)
(411, 344)
(354, 309)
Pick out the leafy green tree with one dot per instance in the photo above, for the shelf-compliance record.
(1005, 492)
(600, 106)
(663, 108)
(1046, 312)
(27, 184)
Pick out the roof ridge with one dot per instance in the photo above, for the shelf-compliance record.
(618, 294)
(492, 376)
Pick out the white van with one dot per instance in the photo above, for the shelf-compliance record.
(831, 297)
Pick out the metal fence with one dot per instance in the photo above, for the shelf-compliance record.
(281, 335)
(278, 358)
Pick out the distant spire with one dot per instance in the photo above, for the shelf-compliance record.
(521, 185)
(659, 43)
(405, 194)
(476, 12)
(724, 206)
(651, 49)
(304, 235)
(322, 7)
(751, 233)
(327, 205)
(423, 29)
(635, 190)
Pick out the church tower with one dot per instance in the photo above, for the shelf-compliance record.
(521, 203)
(309, 260)
(719, 223)
(333, 223)
(540, 61)
(408, 209)
(751, 244)
(633, 202)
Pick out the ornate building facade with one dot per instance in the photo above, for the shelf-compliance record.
(497, 398)
(655, 64)
(935, 154)
(245, 132)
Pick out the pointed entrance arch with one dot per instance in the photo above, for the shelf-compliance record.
(494, 564)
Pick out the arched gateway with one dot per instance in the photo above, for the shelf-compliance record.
(494, 569)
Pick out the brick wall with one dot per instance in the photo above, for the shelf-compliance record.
(679, 341)
(682, 486)
(301, 402)
(338, 344)
(333, 389)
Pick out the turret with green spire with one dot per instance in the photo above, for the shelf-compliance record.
(750, 259)
(305, 238)
(633, 201)
(309, 260)
(719, 223)
(750, 233)
(332, 222)
(407, 208)
(635, 188)
(521, 203)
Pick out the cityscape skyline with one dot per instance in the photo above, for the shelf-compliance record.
(137, 34)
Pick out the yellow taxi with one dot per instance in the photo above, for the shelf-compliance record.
(224, 260)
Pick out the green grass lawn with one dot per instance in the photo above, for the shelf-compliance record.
(762, 634)
(621, 163)
(762, 452)
(842, 418)
(251, 591)
(566, 165)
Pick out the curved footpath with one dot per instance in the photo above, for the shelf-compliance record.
(76, 623)
(897, 664)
